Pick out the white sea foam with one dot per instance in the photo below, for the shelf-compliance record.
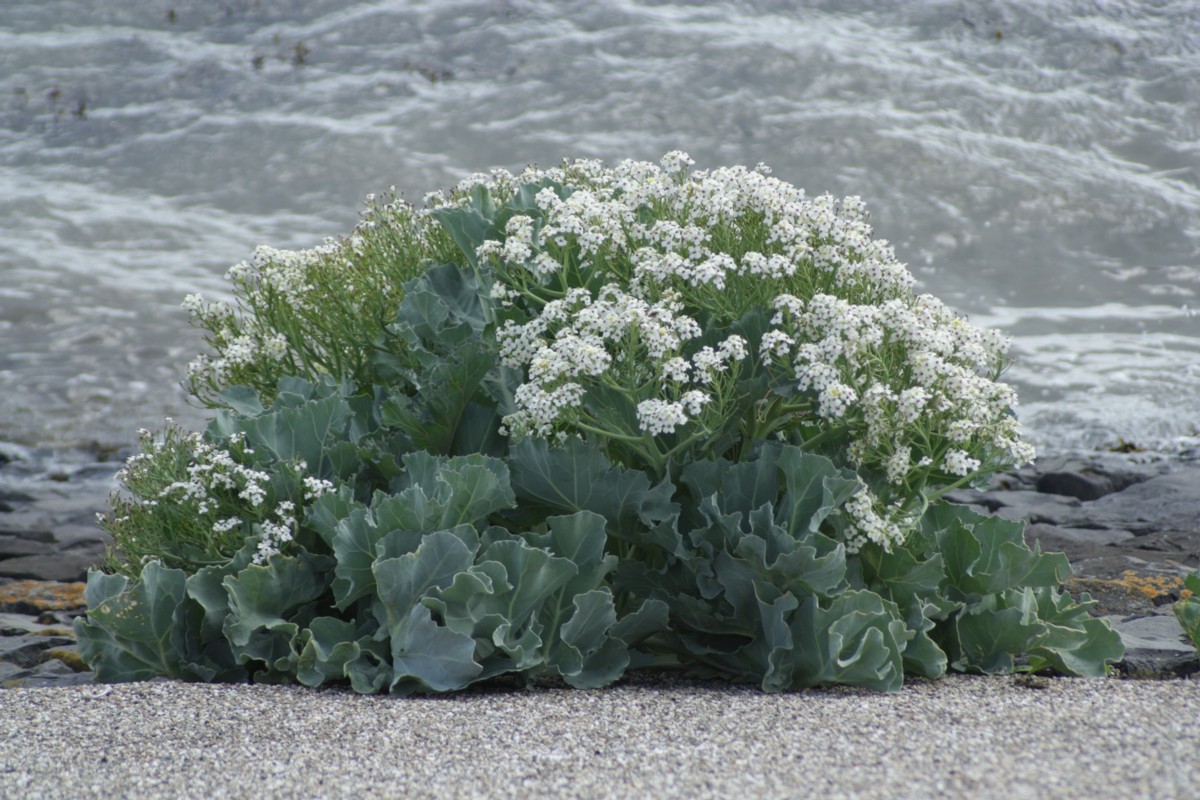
(1036, 164)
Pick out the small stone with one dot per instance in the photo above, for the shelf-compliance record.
(67, 655)
(26, 651)
(1155, 646)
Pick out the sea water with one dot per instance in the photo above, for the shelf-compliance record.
(1037, 165)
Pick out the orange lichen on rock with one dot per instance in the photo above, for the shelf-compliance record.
(43, 595)
(1151, 586)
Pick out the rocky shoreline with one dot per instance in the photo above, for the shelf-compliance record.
(1129, 522)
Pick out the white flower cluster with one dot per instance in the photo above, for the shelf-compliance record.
(213, 469)
(911, 383)
(275, 533)
(869, 525)
(578, 339)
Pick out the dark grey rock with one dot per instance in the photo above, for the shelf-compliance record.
(12, 546)
(1077, 543)
(61, 566)
(10, 671)
(1117, 566)
(52, 673)
(26, 651)
(21, 624)
(1166, 502)
(1080, 485)
(1155, 646)
(1114, 470)
(1022, 505)
(1183, 546)
(71, 537)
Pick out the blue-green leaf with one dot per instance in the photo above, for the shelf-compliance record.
(133, 632)
(427, 656)
(577, 477)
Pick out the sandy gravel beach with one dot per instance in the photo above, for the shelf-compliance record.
(1000, 737)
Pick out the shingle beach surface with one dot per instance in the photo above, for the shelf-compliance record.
(647, 737)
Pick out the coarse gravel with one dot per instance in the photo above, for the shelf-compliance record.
(650, 736)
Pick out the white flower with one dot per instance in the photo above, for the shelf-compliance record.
(775, 344)
(694, 401)
(959, 462)
(658, 416)
(835, 399)
(675, 370)
(733, 348)
(676, 161)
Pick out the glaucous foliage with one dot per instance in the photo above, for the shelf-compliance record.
(600, 418)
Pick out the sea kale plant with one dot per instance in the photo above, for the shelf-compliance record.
(561, 424)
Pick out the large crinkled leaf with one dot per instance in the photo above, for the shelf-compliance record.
(269, 604)
(994, 629)
(328, 510)
(915, 587)
(442, 417)
(354, 541)
(533, 576)
(469, 225)
(984, 555)
(397, 543)
(427, 656)
(243, 400)
(857, 640)
(437, 492)
(332, 650)
(742, 487)
(1075, 643)
(133, 632)
(442, 308)
(215, 659)
(580, 538)
(403, 581)
(814, 488)
(577, 477)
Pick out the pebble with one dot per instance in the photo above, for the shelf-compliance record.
(963, 736)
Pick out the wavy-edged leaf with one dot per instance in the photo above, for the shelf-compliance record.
(985, 555)
(269, 604)
(577, 477)
(133, 632)
(858, 640)
(428, 656)
(331, 650)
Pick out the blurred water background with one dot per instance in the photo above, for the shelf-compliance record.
(1036, 163)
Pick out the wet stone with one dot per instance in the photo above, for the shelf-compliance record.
(66, 565)
(12, 546)
(1077, 543)
(22, 624)
(1080, 485)
(1155, 646)
(26, 651)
